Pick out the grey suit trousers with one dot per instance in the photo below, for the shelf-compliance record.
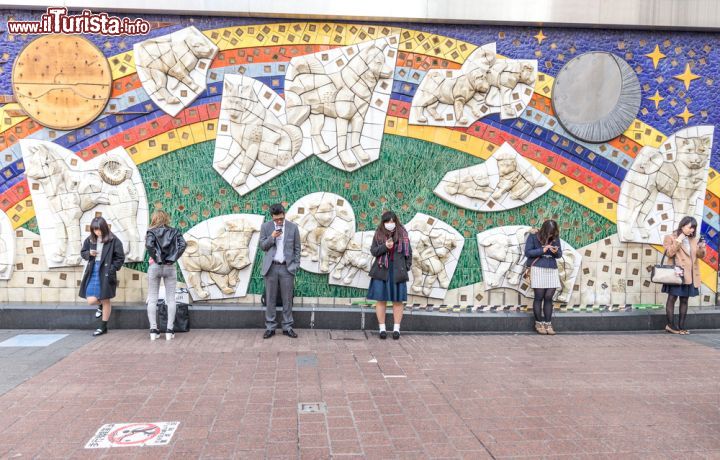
(278, 277)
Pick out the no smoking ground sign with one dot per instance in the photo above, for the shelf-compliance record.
(133, 434)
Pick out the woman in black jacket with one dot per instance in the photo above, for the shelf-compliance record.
(389, 271)
(165, 245)
(105, 255)
(542, 249)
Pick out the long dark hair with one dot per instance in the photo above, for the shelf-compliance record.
(683, 222)
(549, 232)
(102, 225)
(382, 234)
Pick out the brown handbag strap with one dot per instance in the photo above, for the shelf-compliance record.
(537, 258)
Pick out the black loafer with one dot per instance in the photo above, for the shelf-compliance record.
(268, 333)
(290, 333)
(396, 335)
(383, 335)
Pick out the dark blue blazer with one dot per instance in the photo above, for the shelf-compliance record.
(539, 258)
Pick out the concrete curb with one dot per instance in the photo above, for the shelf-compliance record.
(223, 316)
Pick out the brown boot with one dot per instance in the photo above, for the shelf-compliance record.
(540, 327)
(549, 329)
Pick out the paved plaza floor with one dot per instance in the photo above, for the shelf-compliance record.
(335, 394)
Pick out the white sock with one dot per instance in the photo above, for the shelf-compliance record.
(396, 328)
(382, 328)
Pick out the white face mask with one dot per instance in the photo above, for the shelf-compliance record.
(390, 226)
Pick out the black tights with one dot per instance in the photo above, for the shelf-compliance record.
(543, 296)
(670, 311)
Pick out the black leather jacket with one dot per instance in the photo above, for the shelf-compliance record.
(165, 244)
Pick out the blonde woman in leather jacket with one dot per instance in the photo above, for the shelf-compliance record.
(165, 245)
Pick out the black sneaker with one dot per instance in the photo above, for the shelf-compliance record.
(169, 334)
(99, 331)
(154, 334)
(383, 335)
(98, 312)
(396, 335)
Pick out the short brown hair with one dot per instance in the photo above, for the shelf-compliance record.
(159, 218)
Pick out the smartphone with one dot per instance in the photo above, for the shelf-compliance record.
(93, 252)
(702, 239)
(279, 230)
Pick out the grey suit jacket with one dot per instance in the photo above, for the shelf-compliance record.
(291, 246)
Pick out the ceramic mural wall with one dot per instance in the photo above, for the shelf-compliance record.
(7, 247)
(464, 131)
(219, 257)
(68, 193)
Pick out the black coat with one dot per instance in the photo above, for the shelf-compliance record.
(539, 258)
(165, 244)
(401, 264)
(111, 260)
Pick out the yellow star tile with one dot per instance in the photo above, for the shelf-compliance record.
(687, 76)
(685, 115)
(656, 98)
(540, 37)
(656, 55)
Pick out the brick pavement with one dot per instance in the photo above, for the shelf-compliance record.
(425, 396)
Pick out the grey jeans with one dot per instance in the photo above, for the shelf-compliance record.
(168, 274)
(279, 278)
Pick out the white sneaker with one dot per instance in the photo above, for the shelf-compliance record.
(169, 335)
(154, 334)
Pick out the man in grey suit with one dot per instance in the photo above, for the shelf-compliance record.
(280, 239)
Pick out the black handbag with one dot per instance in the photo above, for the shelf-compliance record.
(667, 274)
(182, 317)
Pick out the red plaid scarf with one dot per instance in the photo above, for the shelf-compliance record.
(401, 246)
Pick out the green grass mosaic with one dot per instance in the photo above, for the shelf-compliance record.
(184, 184)
(31, 225)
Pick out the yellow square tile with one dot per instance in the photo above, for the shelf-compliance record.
(198, 132)
(7, 122)
(122, 65)
(402, 126)
(185, 136)
(19, 215)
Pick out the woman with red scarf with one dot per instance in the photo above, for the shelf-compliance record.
(389, 272)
